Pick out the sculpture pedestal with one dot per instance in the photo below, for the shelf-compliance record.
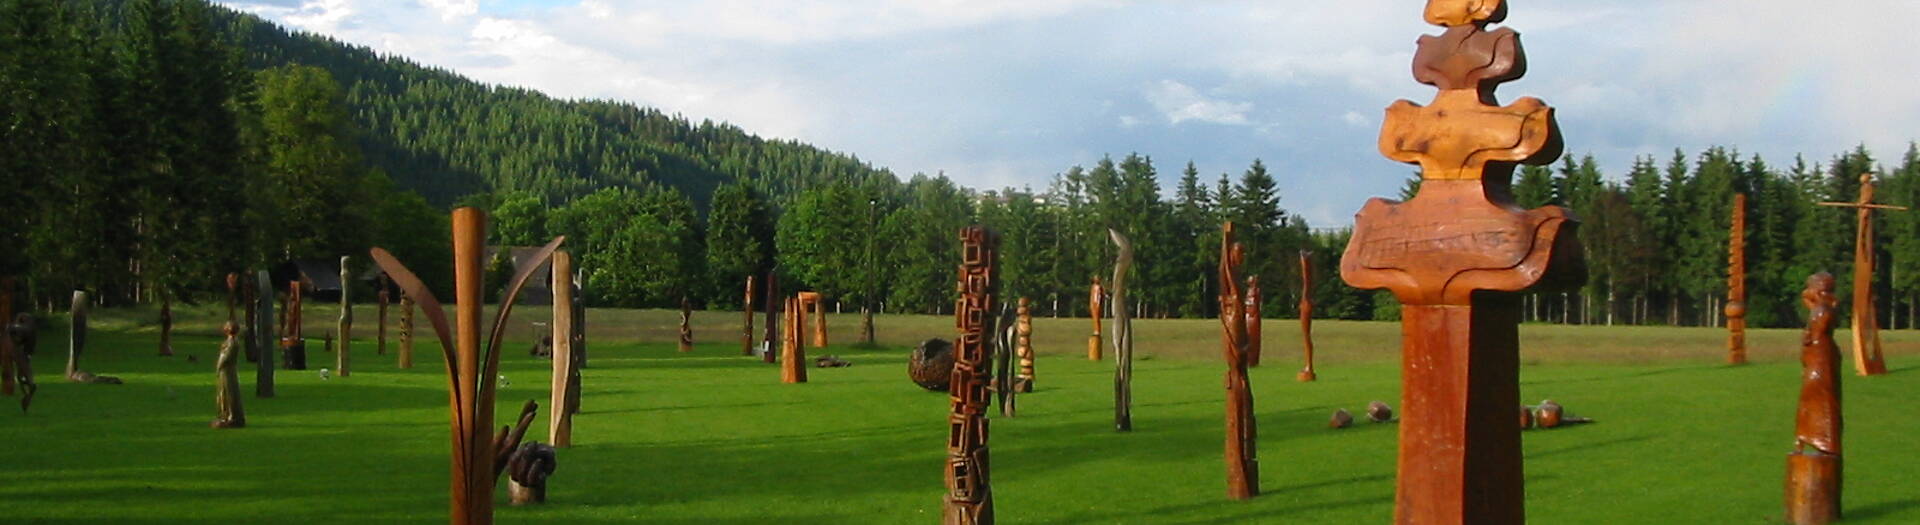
(1459, 441)
(521, 494)
(1813, 488)
(1093, 347)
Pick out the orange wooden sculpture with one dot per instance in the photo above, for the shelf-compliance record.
(566, 375)
(1095, 299)
(1023, 347)
(1867, 360)
(746, 330)
(793, 352)
(293, 344)
(969, 497)
(1252, 313)
(812, 310)
(1736, 309)
(1243, 465)
(343, 357)
(1813, 468)
(1453, 255)
(1306, 316)
(470, 368)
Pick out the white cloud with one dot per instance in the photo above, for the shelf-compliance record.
(452, 9)
(1180, 103)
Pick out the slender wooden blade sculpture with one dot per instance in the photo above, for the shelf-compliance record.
(1243, 467)
(227, 387)
(1095, 295)
(1813, 468)
(77, 344)
(343, 357)
(969, 496)
(1122, 335)
(1306, 316)
(746, 321)
(565, 376)
(1002, 339)
(1867, 359)
(1736, 309)
(470, 369)
(263, 330)
(1453, 255)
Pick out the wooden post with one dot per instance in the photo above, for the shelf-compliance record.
(560, 419)
(292, 338)
(1023, 344)
(1243, 465)
(746, 320)
(819, 322)
(406, 332)
(793, 368)
(1122, 334)
(969, 497)
(1736, 308)
(1251, 311)
(1454, 255)
(1306, 316)
(344, 356)
(1095, 297)
(1813, 468)
(1867, 359)
(263, 301)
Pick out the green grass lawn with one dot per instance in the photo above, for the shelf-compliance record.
(711, 437)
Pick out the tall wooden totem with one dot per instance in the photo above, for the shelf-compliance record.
(1306, 316)
(793, 351)
(1454, 255)
(746, 321)
(1736, 309)
(471, 369)
(1243, 465)
(1867, 359)
(406, 332)
(1023, 346)
(969, 497)
(1122, 333)
(1251, 311)
(566, 374)
(1813, 468)
(344, 356)
(1096, 297)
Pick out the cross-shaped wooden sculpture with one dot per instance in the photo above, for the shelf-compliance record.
(1454, 254)
(1866, 328)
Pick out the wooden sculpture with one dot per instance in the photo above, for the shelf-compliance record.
(1379, 412)
(686, 325)
(1453, 255)
(292, 343)
(25, 338)
(1252, 313)
(77, 343)
(227, 366)
(406, 331)
(1095, 296)
(1551, 415)
(1243, 464)
(746, 320)
(471, 369)
(1341, 419)
(793, 353)
(1001, 337)
(1306, 316)
(811, 304)
(1736, 309)
(931, 365)
(1867, 360)
(969, 496)
(166, 325)
(527, 471)
(263, 331)
(1023, 344)
(1122, 335)
(772, 305)
(566, 377)
(1813, 468)
(6, 340)
(344, 356)
(381, 300)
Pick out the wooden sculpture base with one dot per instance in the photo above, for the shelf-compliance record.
(521, 494)
(1813, 488)
(1306, 375)
(1093, 347)
(1461, 371)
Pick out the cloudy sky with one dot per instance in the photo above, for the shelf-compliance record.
(1001, 93)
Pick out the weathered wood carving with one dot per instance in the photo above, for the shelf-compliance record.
(292, 343)
(1095, 297)
(772, 305)
(1122, 334)
(1736, 309)
(566, 376)
(969, 496)
(793, 352)
(1243, 464)
(527, 471)
(227, 367)
(344, 354)
(931, 365)
(1453, 255)
(77, 344)
(1813, 468)
(1867, 359)
(746, 320)
(1023, 344)
(686, 325)
(811, 304)
(477, 461)
(1306, 316)
(1252, 313)
(25, 338)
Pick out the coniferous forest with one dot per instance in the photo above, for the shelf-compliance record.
(151, 146)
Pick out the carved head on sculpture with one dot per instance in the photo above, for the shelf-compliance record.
(1819, 291)
(1450, 13)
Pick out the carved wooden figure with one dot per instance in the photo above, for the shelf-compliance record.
(77, 344)
(1306, 316)
(1813, 468)
(263, 331)
(6, 340)
(1243, 465)
(527, 472)
(1023, 344)
(1095, 297)
(1736, 309)
(406, 332)
(793, 353)
(344, 356)
(1001, 338)
(25, 338)
(969, 497)
(773, 303)
(1252, 313)
(566, 376)
(292, 342)
(1867, 359)
(1453, 255)
(227, 367)
(746, 320)
(471, 368)
(1122, 334)
(686, 325)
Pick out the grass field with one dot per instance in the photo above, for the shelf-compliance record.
(711, 437)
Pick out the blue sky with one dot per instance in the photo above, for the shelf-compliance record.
(998, 93)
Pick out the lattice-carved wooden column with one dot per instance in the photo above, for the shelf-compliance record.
(1867, 359)
(1453, 255)
(1736, 308)
(969, 497)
